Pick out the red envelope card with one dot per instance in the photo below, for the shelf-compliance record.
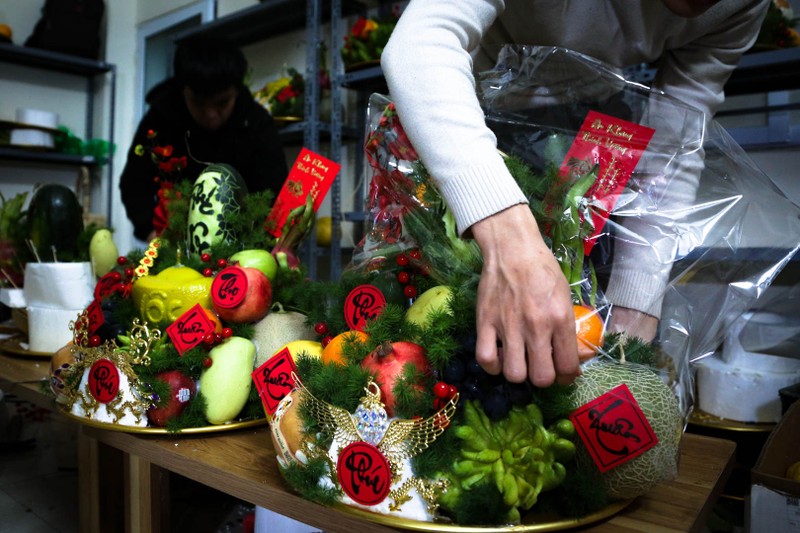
(616, 146)
(190, 329)
(312, 175)
(274, 380)
(614, 428)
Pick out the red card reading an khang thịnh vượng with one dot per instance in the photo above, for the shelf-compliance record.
(615, 146)
(312, 175)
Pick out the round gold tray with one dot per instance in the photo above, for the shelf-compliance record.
(231, 426)
(703, 419)
(280, 121)
(531, 522)
(13, 345)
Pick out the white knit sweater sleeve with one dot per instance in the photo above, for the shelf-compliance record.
(428, 69)
(694, 73)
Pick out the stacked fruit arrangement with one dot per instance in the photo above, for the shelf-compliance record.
(396, 416)
(175, 331)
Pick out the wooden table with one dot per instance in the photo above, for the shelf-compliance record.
(242, 464)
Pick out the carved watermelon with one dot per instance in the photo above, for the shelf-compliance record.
(218, 190)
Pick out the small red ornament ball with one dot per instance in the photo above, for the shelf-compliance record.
(326, 341)
(205, 258)
(207, 362)
(222, 263)
(321, 328)
(402, 260)
(122, 260)
(227, 333)
(410, 291)
(403, 277)
(207, 272)
(441, 390)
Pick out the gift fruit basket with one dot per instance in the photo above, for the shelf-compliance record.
(395, 420)
(172, 334)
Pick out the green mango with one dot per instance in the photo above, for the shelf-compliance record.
(225, 385)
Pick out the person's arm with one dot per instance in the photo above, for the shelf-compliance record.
(523, 298)
(695, 74)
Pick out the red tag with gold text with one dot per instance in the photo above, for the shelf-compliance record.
(312, 175)
(614, 428)
(274, 380)
(362, 304)
(189, 329)
(616, 146)
(364, 473)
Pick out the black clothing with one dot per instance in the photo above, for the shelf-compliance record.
(248, 142)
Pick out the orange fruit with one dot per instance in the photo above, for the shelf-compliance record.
(215, 319)
(589, 329)
(332, 353)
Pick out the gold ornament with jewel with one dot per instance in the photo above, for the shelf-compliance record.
(396, 440)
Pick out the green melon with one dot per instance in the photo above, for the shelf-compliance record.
(659, 405)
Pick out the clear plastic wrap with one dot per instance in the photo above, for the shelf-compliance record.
(694, 208)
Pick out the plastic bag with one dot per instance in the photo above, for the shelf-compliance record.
(691, 199)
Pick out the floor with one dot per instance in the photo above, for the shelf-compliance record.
(38, 483)
(39, 480)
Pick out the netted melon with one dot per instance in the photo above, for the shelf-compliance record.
(658, 404)
(277, 329)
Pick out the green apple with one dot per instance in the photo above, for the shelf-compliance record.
(225, 385)
(259, 259)
(434, 299)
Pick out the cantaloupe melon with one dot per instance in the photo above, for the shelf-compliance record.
(659, 405)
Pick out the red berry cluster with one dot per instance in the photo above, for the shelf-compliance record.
(411, 263)
(443, 393)
(219, 263)
(82, 337)
(321, 329)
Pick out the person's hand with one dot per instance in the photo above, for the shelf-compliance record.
(633, 323)
(524, 302)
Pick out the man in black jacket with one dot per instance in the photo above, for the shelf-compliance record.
(206, 106)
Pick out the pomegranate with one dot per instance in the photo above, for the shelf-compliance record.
(387, 362)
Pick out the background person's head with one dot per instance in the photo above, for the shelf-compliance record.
(210, 72)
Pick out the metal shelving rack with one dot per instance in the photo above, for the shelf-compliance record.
(272, 18)
(90, 70)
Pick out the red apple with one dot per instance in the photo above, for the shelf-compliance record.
(241, 294)
(182, 390)
(387, 363)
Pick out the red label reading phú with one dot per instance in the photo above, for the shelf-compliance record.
(364, 473)
(362, 304)
(614, 428)
(103, 380)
